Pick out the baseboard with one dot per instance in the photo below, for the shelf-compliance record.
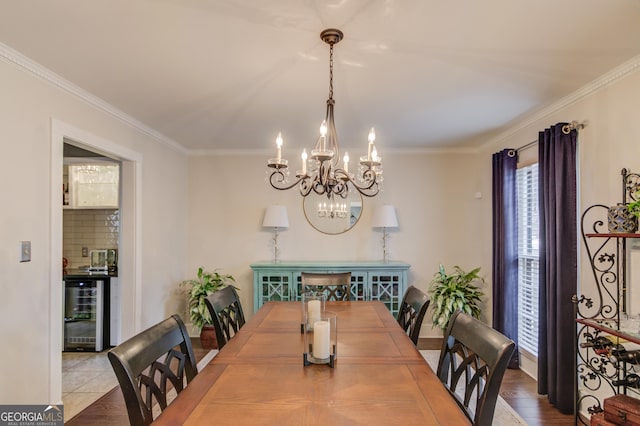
(429, 343)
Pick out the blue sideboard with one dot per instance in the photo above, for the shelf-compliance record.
(386, 282)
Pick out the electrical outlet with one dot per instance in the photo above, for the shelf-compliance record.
(25, 251)
(85, 251)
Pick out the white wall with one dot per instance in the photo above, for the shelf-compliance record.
(27, 106)
(434, 196)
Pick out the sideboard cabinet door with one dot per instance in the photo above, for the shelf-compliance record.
(272, 285)
(387, 287)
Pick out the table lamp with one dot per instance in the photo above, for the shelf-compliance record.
(385, 217)
(275, 217)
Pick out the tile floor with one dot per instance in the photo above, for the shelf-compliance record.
(86, 376)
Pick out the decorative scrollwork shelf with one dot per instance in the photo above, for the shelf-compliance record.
(602, 303)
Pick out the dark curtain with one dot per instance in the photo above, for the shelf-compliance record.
(505, 247)
(558, 265)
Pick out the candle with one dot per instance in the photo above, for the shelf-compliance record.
(304, 161)
(321, 339)
(313, 309)
(346, 162)
(279, 146)
(372, 138)
(323, 133)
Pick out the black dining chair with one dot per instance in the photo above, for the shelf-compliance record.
(226, 313)
(337, 286)
(411, 313)
(472, 363)
(149, 361)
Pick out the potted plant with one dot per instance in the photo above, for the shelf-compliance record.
(454, 291)
(199, 288)
(634, 206)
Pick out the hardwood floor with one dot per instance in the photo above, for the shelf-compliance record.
(518, 390)
(521, 392)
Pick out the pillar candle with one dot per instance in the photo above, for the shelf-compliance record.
(321, 339)
(313, 309)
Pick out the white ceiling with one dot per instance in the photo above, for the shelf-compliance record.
(230, 74)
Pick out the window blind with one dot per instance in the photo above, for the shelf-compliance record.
(528, 257)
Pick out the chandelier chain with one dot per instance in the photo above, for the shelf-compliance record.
(331, 71)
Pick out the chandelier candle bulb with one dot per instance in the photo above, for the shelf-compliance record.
(304, 162)
(279, 147)
(371, 149)
(321, 341)
(323, 134)
(346, 162)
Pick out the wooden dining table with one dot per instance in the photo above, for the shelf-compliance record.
(258, 378)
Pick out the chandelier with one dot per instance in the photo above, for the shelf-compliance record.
(320, 171)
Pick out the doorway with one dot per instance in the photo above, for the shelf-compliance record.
(91, 235)
(129, 270)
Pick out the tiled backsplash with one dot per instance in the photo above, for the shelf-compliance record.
(94, 229)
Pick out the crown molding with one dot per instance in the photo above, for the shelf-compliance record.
(22, 62)
(266, 152)
(599, 83)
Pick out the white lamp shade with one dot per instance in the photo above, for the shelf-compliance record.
(385, 217)
(276, 217)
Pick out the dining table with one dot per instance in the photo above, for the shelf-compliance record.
(259, 378)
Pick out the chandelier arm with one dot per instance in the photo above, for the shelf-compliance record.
(277, 177)
(318, 187)
(370, 190)
(305, 186)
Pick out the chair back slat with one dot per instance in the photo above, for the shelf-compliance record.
(337, 286)
(472, 363)
(144, 364)
(411, 313)
(226, 314)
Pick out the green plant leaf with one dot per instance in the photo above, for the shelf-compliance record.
(199, 288)
(456, 290)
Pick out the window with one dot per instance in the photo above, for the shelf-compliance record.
(528, 257)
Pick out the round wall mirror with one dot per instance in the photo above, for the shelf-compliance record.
(332, 216)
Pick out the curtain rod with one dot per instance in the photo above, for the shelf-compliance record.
(566, 129)
(574, 125)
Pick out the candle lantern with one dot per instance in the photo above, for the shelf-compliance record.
(321, 340)
(313, 303)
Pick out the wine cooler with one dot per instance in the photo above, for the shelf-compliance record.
(84, 314)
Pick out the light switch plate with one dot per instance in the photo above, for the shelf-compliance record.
(25, 251)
